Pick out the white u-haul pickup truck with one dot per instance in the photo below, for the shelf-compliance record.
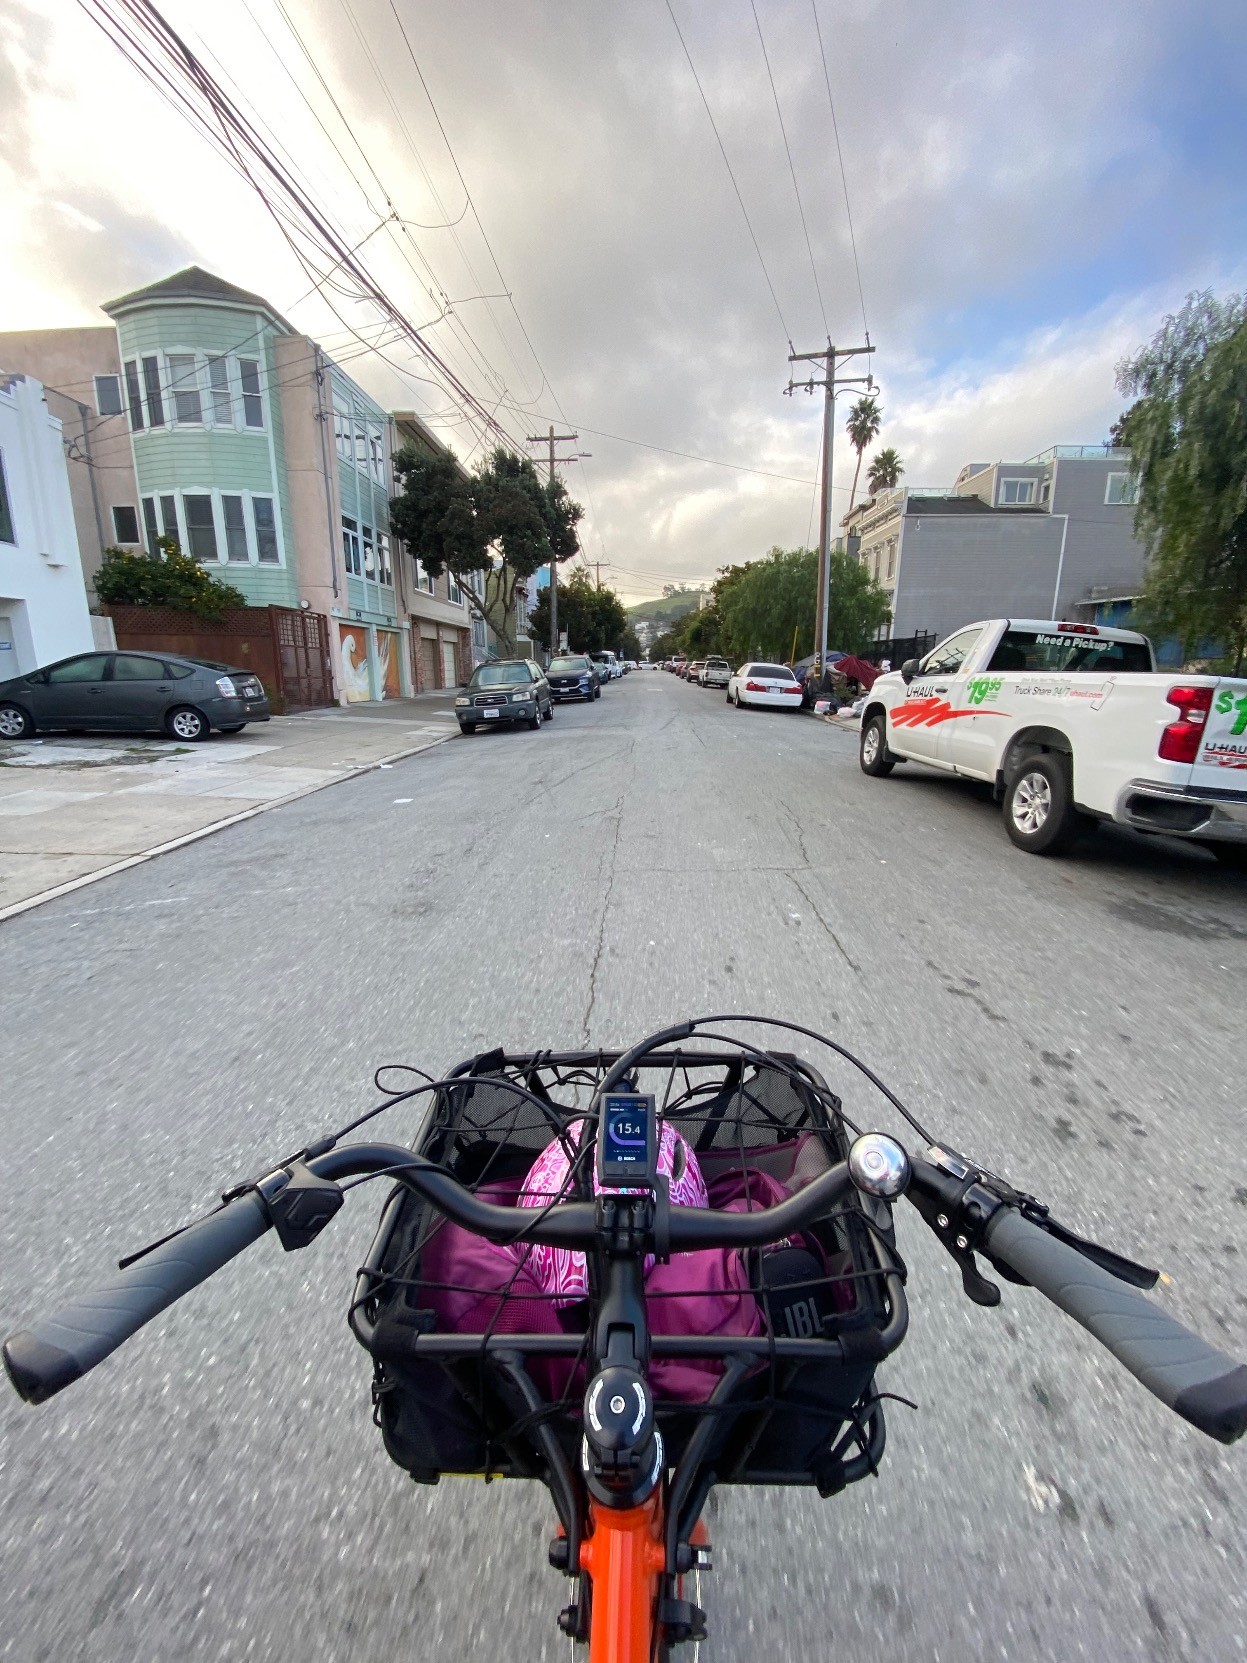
(1071, 723)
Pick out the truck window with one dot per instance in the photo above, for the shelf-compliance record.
(950, 655)
(1050, 653)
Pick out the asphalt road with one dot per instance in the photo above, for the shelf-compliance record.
(217, 1490)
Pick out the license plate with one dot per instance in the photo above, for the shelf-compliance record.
(488, 713)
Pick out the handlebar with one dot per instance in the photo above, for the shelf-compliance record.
(55, 1351)
(1191, 1377)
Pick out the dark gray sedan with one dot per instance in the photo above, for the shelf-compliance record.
(120, 692)
(508, 690)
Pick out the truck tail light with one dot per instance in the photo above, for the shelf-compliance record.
(1180, 741)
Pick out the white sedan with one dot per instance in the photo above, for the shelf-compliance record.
(765, 684)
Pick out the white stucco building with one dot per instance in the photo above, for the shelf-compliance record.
(43, 597)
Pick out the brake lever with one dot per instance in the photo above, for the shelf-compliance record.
(958, 1199)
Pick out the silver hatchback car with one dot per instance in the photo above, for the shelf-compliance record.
(119, 692)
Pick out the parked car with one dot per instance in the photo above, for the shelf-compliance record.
(133, 692)
(715, 672)
(677, 664)
(608, 664)
(691, 671)
(573, 677)
(764, 684)
(508, 690)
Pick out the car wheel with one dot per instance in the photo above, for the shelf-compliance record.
(534, 721)
(234, 727)
(14, 722)
(467, 728)
(736, 697)
(873, 753)
(187, 723)
(1040, 816)
(550, 711)
(597, 692)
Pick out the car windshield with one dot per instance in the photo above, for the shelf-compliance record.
(568, 666)
(771, 672)
(501, 675)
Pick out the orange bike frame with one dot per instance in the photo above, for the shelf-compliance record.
(624, 1558)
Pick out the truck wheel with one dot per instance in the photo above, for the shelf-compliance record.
(875, 757)
(1040, 816)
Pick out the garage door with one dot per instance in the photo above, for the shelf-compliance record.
(450, 675)
(429, 651)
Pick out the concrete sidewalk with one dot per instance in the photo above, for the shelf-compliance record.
(75, 809)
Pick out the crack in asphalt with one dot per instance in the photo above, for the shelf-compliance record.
(799, 830)
(612, 859)
(813, 906)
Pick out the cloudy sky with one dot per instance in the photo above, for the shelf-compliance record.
(1031, 189)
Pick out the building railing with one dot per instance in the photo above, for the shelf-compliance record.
(1078, 453)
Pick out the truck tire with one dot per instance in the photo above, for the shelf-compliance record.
(1040, 816)
(873, 754)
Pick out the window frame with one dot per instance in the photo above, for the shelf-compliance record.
(127, 508)
(424, 583)
(231, 559)
(454, 589)
(154, 372)
(975, 634)
(275, 527)
(1130, 490)
(1028, 501)
(134, 395)
(354, 561)
(215, 393)
(117, 383)
(343, 427)
(245, 397)
(184, 384)
(8, 525)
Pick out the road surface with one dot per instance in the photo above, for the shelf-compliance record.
(217, 1491)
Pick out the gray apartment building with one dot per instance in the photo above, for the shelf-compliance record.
(1040, 539)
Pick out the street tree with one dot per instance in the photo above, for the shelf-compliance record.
(862, 427)
(594, 619)
(1187, 433)
(884, 471)
(501, 521)
(764, 604)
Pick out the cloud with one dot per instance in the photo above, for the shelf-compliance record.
(1030, 191)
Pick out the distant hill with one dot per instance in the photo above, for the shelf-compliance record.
(667, 609)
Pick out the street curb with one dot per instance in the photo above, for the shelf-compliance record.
(207, 831)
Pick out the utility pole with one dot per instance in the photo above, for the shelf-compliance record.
(831, 382)
(552, 438)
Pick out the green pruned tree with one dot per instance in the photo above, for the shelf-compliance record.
(1187, 433)
(594, 619)
(862, 427)
(169, 578)
(884, 471)
(763, 604)
(501, 521)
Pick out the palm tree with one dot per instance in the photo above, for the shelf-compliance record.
(865, 420)
(884, 472)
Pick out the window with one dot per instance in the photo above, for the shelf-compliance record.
(342, 428)
(126, 525)
(235, 529)
(1122, 490)
(169, 515)
(7, 534)
(350, 547)
(200, 527)
(108, 395)
(252, 402)
(950, 655)
(90, 667)
(184, 385)
(891, 557)
(423, 580)
(370, 554)
(376, 454)
(218, 386)
(149, 522)
(1028, 649)
(130, 667)
(453, 590)
(1017, 491)
(151, 386)
(384, 569)
(134, 397)
(266, 550)
(361, 450)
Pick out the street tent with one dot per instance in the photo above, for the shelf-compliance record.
(858, 670)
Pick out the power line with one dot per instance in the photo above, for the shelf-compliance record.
(791, 169)
(727, 164)
(831, 105)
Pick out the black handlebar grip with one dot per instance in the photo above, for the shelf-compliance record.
(50, 1355)
(1195, 1380)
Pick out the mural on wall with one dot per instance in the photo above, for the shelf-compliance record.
(355, 678)
(387, 664)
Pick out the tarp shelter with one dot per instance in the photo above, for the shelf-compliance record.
(858, 670)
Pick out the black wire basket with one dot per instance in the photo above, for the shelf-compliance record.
(488, 1402)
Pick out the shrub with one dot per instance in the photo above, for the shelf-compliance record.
(168, 579)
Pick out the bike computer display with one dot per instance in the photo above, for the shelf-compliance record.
(627, 1139)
